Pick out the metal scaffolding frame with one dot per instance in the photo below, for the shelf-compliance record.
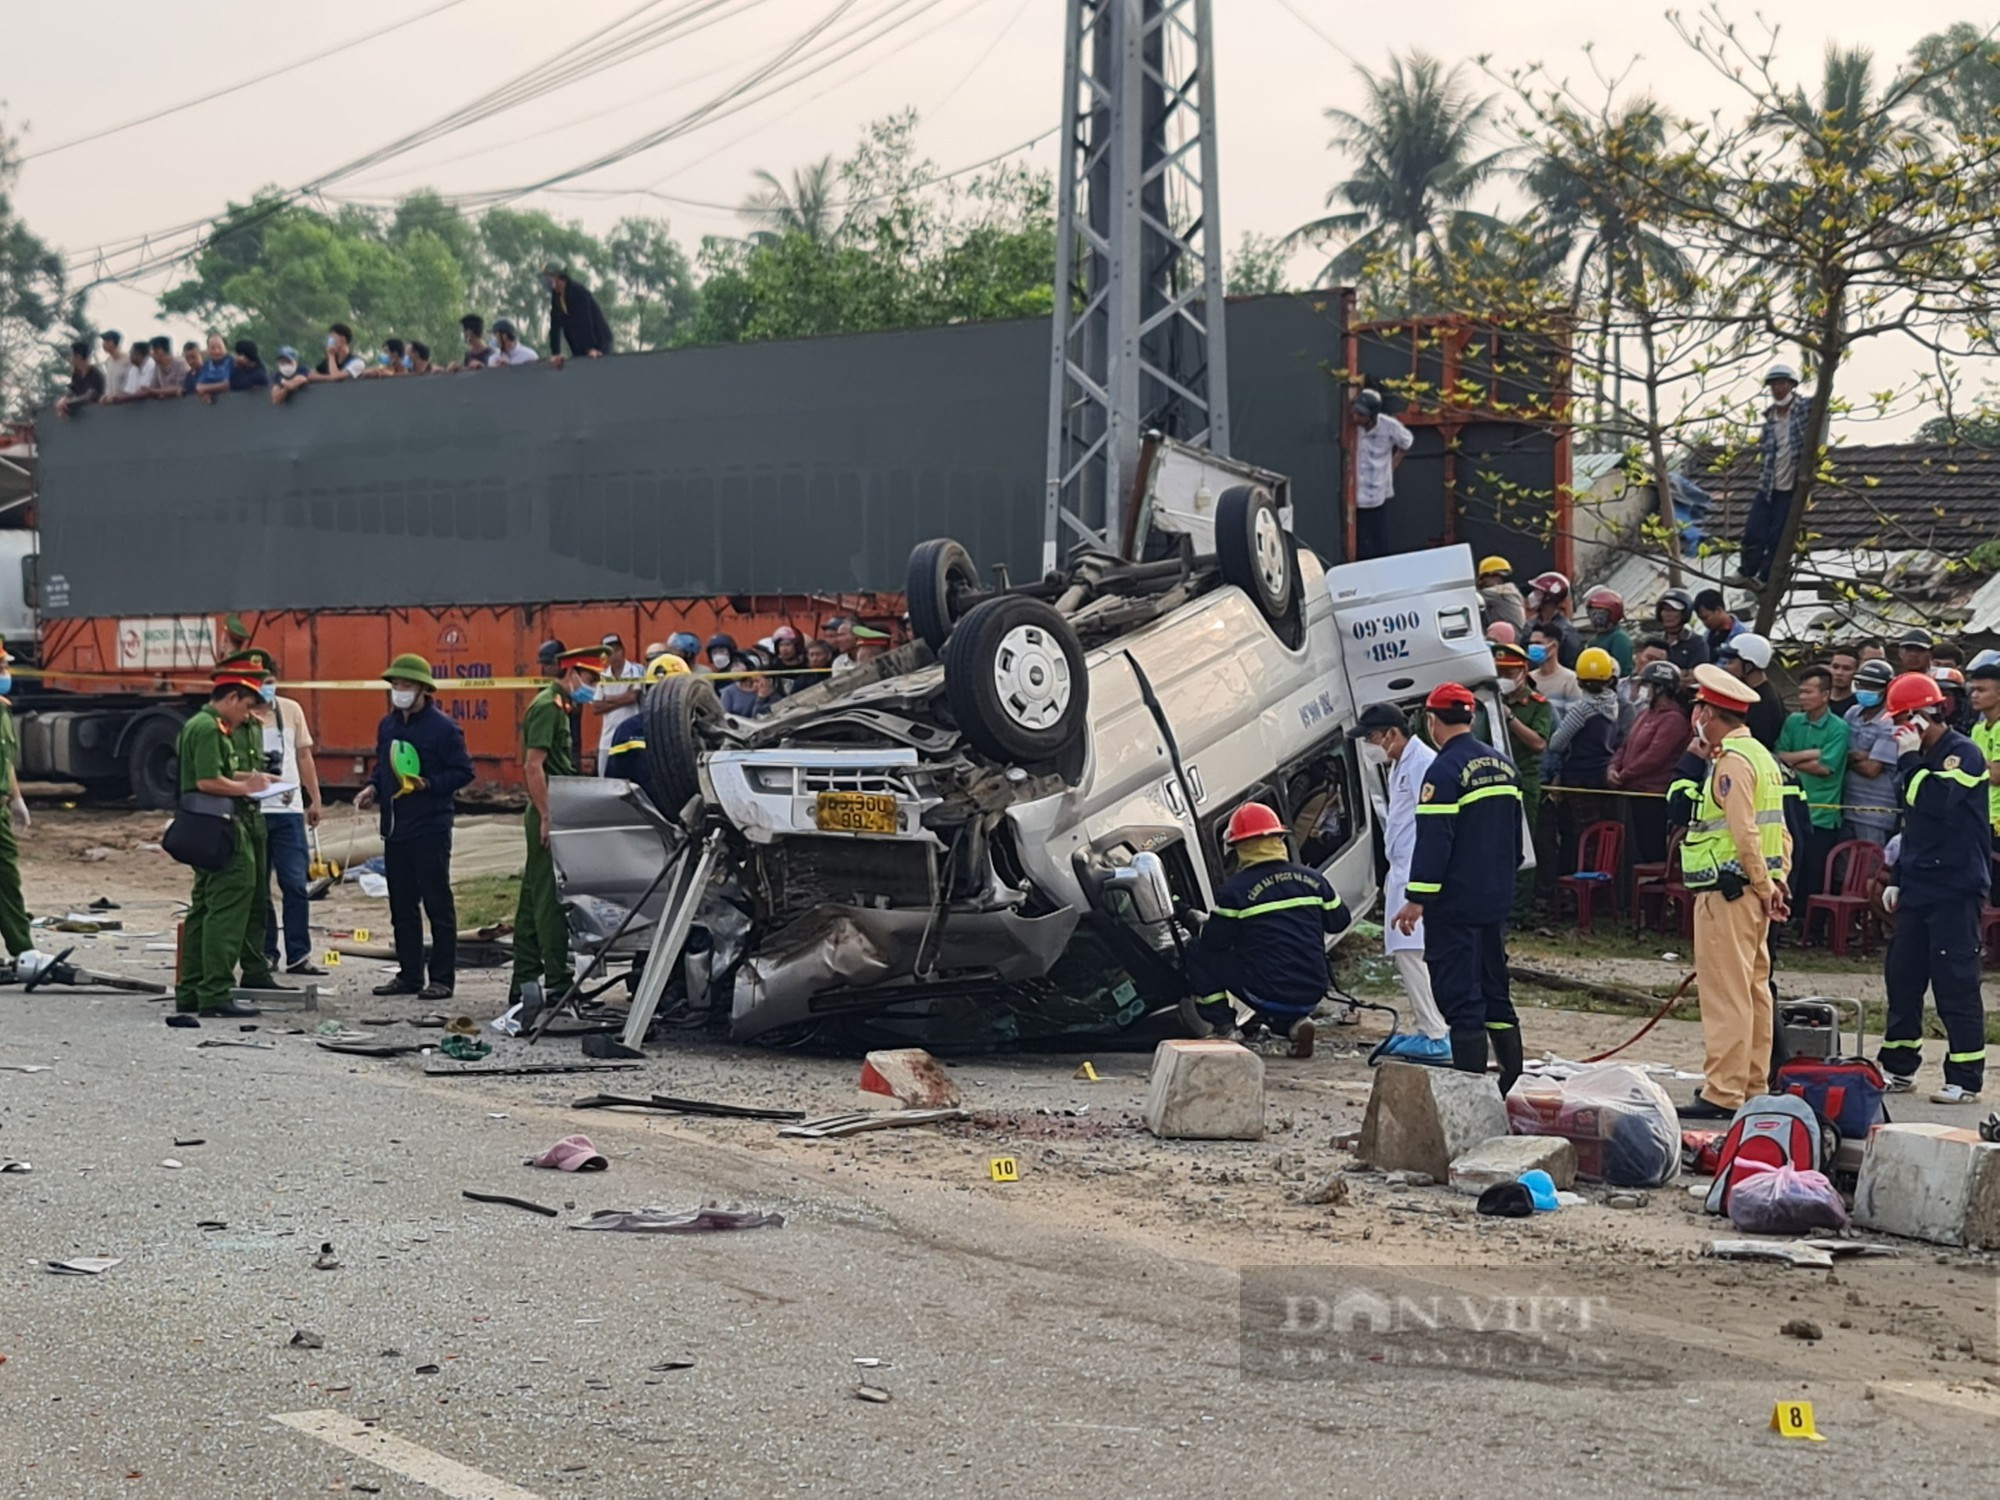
(1138, 341)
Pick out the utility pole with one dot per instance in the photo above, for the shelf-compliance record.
(1138, 341)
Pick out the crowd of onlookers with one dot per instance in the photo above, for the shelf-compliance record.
(152, 371)
(1601, 716)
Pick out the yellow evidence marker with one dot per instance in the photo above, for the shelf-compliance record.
(1794, 1419)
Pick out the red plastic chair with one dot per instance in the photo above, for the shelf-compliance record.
(1600, 861)
(1850, 867)
(1653, 898)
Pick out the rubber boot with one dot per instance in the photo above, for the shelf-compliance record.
(1468, 1050)
(1507, 1048)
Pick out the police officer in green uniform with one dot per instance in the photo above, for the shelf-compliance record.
(14, 931)
(548, 748)
(249, 736)
(212, 761)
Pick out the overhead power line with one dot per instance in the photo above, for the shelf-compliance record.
(236, 88)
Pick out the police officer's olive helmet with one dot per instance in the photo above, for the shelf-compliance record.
(1253, 820)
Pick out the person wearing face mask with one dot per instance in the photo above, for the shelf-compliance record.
(1579, 755)
(1870, 791)
(575, 318)
(1385, 742)
(1645, 762)
(1548, 610)
(287, 379)
(1553, 680)
(421, 766)
(1736, 858)
(721, 654)
(1942, 873)
(288, 746)
(1606, 608)
(14, 929)
(548, 748)
(1530, 723)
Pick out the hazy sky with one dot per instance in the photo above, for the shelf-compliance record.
(985, 75)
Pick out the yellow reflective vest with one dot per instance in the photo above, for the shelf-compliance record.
(1709, 849)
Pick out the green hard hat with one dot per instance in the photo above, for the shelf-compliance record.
(404, 760)
(410, 667)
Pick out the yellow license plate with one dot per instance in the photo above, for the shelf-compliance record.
(855, 812)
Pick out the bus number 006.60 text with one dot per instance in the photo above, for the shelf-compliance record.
(1385, 625)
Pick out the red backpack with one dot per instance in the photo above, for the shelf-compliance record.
(1772, 1130)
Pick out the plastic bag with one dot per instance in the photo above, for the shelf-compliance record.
(1621, 1122)
(1784, 1200)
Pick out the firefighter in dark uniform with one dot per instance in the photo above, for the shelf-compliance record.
(1262, 953)
(1462, 884)
(1936, 891)
(627, 759)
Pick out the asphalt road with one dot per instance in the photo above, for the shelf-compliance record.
(1029, 1349)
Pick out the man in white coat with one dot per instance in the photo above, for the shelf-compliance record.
(1386, 742)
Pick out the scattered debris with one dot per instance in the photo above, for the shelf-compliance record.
(370, 1049)
(171, 1165)
(462, 1048)
(84, 1265)
(228, 1041)
(325, 1261)
(873, 1393)
(427, 1369)
(1626, 1200)
(862, 1361)
(1410, 1179)
(183, 1019)
(502, 1198)
(1816, 1254)
(305, 1338)
(211, 1225)
(1801, 1328)
(8, 1164)
(26, 1067)
(193, 1140)
(701, 1220)
(573, 1153)
(1331, 1192)
(910, 1076)
(666, 1366)
(671, 1105)
(436, 1069)
(830, 1126)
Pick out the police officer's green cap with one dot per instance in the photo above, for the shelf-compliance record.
(410, 667)
(251, 658)
(1379, 716)
(870, 633)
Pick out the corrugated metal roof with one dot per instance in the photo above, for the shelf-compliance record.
(1894, 496)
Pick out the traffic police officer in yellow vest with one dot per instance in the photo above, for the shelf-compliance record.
(1736, 858)
(548, 748)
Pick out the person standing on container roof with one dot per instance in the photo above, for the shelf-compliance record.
(1261, 955)
(1386, 743)
(14, 929)
(548, 748)
(216, 762)
(288, 746)
(117, 364)
(86, 381)
(575, 319)
(1461, 885)
(1736, 858)
(1380, 445)
(421, 766)
(1936, 891)
(507, 346)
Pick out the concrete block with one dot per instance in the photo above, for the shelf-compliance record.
(910, 1076)
(1505, 1157)
(1205, 1091)
(1421, 1119)
(1931, 1182)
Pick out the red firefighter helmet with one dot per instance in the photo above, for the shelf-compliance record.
(1911, 691)
(1253, 820)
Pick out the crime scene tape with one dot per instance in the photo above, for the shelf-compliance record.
(196, 680)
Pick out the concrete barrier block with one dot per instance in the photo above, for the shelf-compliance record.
(1505, 1157)
(1205, 1091)
(910, 1076)
(1931, 1182)
(1421, 1119)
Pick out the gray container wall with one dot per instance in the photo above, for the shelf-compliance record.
(809, 466)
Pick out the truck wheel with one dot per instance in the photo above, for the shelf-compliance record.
(1015, 679)
(153, 764)
(1255, 554)
(939, 588)
(678, 711)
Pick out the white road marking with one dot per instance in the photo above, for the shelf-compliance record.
(446, 1476)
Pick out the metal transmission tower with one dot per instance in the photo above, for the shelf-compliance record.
(1138, 340)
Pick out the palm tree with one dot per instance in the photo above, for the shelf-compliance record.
(805, 208)
(1417, 152)
(1611, 213)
